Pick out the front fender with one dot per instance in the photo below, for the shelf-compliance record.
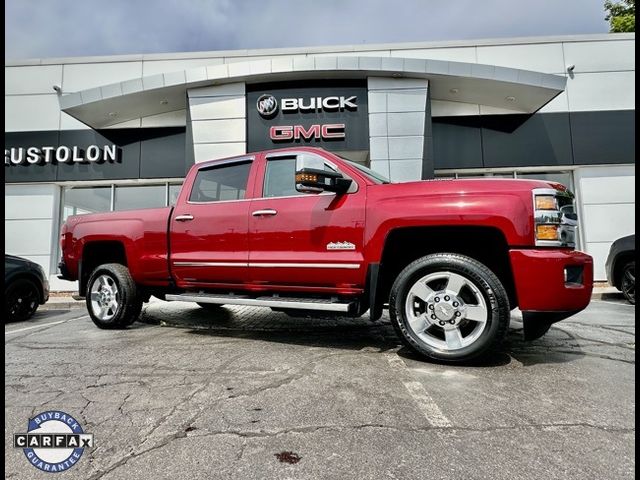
(507, 212)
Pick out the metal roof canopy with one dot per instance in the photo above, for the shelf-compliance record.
(520, 91)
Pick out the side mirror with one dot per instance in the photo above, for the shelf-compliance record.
(311, 176)
(314, 180)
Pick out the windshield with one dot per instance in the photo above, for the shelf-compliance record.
(375, 176)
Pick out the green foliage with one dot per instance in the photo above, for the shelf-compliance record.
(621, 15)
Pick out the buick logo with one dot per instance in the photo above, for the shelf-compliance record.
(267, 105)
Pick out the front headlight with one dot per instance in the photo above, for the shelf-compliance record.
(555, 220)
(546, 202)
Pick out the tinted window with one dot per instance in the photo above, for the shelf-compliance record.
(279, 179)
(215, 184)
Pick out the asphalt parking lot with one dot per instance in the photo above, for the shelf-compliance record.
(249, 393)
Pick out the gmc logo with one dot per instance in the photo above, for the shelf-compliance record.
(297, 132)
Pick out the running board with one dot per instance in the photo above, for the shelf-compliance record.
(273, 302)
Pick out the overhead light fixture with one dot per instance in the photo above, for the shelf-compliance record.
(164, 101)
(113, 114)
(510, 98)
(454, 90)
(396, 75)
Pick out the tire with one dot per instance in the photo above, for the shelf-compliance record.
(22, 298)
(211, 307)
(628, 282)
(469, 307)
(112, 297)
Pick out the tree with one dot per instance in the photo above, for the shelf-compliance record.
(621, 15)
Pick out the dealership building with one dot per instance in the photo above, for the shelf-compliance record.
(93, 134)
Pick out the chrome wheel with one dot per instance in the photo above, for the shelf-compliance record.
(105, 297)
(446, 311)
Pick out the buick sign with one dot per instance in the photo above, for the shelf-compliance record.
(267, 105)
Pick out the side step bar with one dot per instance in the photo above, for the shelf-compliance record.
(274, 302)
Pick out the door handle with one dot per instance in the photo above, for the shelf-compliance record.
(268, 211)
(184, 218)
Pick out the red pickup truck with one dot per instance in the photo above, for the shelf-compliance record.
(304, 231)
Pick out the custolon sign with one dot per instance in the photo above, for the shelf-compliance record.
(61, 154)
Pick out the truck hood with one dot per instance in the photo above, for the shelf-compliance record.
(467, 186)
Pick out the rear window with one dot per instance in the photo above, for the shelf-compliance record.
(225, 182)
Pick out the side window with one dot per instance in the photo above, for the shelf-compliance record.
(226, 182)
(280, 178)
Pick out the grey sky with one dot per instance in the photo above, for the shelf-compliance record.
(57, 28)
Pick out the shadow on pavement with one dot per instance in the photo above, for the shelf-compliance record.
(40, 314)
(352, 334)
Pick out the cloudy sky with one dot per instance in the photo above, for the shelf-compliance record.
(56, 28)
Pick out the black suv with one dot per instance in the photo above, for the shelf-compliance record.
(621, 266)
(25, 287)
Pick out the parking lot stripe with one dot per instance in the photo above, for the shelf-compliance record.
(429, 408)
(431, 411)
(44, 325)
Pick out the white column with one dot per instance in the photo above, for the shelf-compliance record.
(397, 126)
(218, 121)
(31, 222)
(607, 200)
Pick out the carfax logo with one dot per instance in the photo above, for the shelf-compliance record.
(54, 441)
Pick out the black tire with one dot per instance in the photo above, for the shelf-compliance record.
(628, 282)
(128, 303)
(481, 286)
(22, 298)
(211, 307)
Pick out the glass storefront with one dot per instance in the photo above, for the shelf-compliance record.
(106, 198)
(81, 200)
(139, 196)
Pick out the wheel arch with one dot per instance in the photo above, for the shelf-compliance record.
(618, 266)
(96, 253)
(406, 244)
(27, 276)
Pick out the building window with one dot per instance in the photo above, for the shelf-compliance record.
(139, 196)
(81, 200)
(565, 178)
(174, 191)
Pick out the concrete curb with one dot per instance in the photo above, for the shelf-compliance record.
(616, 295)
(62, 305)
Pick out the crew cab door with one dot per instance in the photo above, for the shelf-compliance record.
(312, 240)
(209, 226)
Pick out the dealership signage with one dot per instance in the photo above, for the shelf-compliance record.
(62, 154)
(332, 115)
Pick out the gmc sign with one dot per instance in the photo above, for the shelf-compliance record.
(297, 132)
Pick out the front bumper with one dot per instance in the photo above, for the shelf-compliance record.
(64, 271)
(45, 291)
(552, 280)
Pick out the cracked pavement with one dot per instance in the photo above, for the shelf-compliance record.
(186, 393)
